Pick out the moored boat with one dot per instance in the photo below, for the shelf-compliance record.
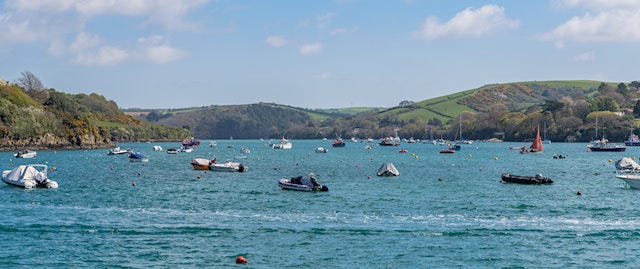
(537, 179)
(190, 142)
(137, 157)
(172, 151)
(536, 146)
(29, 176)
(284, 144)
(388, 170)
(632, 141)
(628, 171)
(227, 166)
(605, 145)
(321, 150)
(338, 143)
(26, 154)
(200, 163)
(117, 150)
(300, 183)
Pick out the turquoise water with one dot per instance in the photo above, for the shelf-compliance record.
(469, 218)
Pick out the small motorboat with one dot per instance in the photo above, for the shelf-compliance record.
(368, 147)
(117, 151)
(213, 144)
(25, 154)
(29, 176)
(628, 171)
(321, 150)
(228, 166)
(157, 148)
(200, 163)
(185, 149)
(537, 179)
(388, 170)
(137, 157)
(447, 151)
(338, 143)
(172, 151)
(403, 151)
(559, 156)
(245, 151)
(300, 183)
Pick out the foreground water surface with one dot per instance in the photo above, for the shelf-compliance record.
(444, 210)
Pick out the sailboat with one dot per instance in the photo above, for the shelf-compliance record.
(462, 140)
(536, 146)
(604, 144)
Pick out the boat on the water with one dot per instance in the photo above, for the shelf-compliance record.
(190, 142)
(29, 176)
(228, 166)
(137, 157)
(537, 179)
(172, 151)
(388, 170)
(26, 154)
(448, 151)
(536, 146)
(157, 148)
(200, 163)
(390, 141)
(628, 171)
(605, 145)
(632, 141)
(300, 183)
(284, 144)
(338, 143)
(213, 144)
(321, 150)
(117, 150)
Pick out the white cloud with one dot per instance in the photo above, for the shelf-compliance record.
(606, 26)
(598, 4)
(276, 41)
(157, 50)
(585, 57)
(324, 20)
(308, 49)
(342, 31)
(468, 23)
(105, 56)
(84, 41)
(164, 54)
(323, 76)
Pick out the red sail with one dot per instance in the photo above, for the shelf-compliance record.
(536, 146)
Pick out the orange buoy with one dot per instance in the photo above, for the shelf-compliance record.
(241, 259)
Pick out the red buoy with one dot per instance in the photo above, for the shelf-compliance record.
(241, 259)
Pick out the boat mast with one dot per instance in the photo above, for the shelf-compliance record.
(460, 126)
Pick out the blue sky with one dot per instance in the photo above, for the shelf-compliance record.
(314, 54)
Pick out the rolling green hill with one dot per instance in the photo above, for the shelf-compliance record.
(50, 119)
(515, 109)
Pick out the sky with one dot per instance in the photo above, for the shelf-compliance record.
(312, 54)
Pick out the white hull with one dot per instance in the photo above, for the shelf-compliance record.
(29, 154)
(633, 180)
(29, 179)
(227, 167)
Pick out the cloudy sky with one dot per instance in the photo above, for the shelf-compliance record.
(315, 54)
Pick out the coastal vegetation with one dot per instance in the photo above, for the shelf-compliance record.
(564, 110)
(36, 117)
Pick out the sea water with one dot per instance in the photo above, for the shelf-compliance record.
(444, 210)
